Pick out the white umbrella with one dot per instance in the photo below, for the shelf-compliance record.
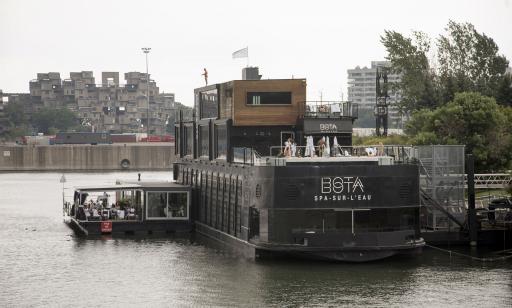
(335, 146)
(327, 151)
(306, 152)
(311, 147)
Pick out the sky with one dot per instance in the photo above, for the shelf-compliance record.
(317, 40)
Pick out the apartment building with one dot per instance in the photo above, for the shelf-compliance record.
(361, 89)
(108, 106)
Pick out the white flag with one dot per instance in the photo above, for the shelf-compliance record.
(242, 53)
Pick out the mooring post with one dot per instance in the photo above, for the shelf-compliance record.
(470, 169)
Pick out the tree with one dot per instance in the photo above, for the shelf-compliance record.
(470, 119)
(469, 61)
(408, 58)
(16, 120)
(49, 120)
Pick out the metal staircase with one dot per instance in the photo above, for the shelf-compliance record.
(441, 185)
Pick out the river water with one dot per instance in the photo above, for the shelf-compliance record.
(43, 264)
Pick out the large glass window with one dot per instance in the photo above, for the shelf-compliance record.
(209, 105)
(286, 224)
(177, 140)
(157, 205)
(189, 140)
(269, 98)
(167, 205)
(178, 205)
(204, 146)
(221, 141)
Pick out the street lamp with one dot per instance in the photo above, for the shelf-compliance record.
(146, 50)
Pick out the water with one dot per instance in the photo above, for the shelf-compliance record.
(43, 264)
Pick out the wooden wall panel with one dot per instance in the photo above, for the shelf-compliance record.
(261, 115)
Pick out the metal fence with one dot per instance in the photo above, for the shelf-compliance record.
(242, 155)
(442, 179)
(329, 109)
(400, 153)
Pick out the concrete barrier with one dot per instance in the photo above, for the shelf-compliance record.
(87, 157)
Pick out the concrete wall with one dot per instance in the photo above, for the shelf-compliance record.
(86, 157)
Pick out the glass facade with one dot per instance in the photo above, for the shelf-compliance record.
(204, 141)
(285, 224)
(221, 142)
(209, 107)
(189, 140)
(157, 205)
(178, 205)
(167, 205)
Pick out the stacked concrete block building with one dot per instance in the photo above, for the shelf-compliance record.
(109, 106)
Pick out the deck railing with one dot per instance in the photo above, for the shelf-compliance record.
(400, 153)
(328, 109)
(243, 155)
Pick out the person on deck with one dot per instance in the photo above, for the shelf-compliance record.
(321, 147)
(288, 147)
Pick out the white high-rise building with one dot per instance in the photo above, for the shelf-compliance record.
(361, 90)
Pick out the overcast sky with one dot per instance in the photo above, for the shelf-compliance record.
(317, 40)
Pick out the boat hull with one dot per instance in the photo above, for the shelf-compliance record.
(93, 228)
(254, 250)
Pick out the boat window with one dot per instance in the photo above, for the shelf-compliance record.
(167, 205)
(177, 140)
(157, 205)
(204, 141)
(221, 142)
(382, 220)
(188, 140)
(178, 205)
(208, 104)
(290, 226)
(269, 98)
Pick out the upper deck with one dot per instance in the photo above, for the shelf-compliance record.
(258, 114)
(265, 103)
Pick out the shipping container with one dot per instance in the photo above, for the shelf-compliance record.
(123, 138)
(83, 138)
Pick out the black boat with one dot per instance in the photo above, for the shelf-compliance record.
(138, 208)
(265, 199)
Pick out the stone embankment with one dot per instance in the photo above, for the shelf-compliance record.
(150, 156)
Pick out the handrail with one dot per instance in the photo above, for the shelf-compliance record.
(428, 200)
(398, 152)
(321, 109)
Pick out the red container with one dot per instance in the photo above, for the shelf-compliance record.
(123, 138)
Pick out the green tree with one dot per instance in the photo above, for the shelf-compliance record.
(49, 121)
(15, 113)
(408, 58)
(469, 61)
(16, 120)
(470, 119)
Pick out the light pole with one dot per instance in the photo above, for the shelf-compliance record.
(146, 50)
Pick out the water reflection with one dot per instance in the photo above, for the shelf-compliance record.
(43, 264)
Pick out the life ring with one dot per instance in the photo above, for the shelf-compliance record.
(125, 164)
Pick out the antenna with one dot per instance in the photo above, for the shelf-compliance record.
(381, 101)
